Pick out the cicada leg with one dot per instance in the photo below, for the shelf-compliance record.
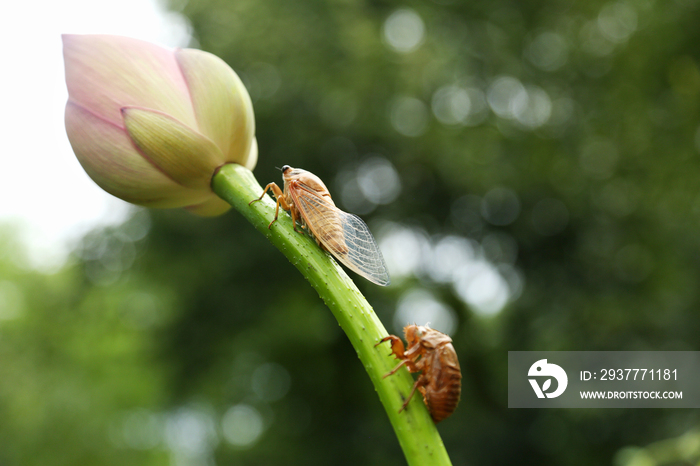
(296, 217)
(398, 350)
(397, 347)
(419, 383)
(404, 362)
(281, 200)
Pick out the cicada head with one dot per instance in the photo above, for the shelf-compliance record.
(308, 179)
(425, 336)
(413, 334)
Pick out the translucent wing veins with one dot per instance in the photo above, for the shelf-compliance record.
(345, 235)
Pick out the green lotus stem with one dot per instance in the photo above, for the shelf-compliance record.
(414, 428)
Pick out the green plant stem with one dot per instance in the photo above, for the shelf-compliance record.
(414, 428)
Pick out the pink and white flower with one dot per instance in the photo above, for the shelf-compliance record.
(152, 125)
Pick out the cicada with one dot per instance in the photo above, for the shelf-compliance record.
(344, 235)
(431, 353)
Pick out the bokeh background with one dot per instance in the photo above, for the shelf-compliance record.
(530, 169)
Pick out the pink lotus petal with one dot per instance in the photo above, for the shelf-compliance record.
(108, 155)
(211, 208)
(105, 73)
(222, 104)
(252, 158)
(184, 154)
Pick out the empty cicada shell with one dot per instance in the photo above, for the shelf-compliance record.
(431, 353)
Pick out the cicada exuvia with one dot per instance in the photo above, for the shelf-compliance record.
(431, 353)
(344, 235)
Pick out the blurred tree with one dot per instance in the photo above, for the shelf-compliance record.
(530, 170)
(555, 144)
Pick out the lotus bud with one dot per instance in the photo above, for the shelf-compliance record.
(151, 125)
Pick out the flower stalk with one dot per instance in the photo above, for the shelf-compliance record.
(416, 432)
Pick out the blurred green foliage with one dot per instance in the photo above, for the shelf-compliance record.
(554, 143)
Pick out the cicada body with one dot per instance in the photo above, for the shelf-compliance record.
(431, 353)
(344, 235)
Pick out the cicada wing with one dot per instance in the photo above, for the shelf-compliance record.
(345, 235)
(364, 256)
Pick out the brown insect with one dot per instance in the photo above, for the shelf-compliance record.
(344, 235)
(432, 353)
